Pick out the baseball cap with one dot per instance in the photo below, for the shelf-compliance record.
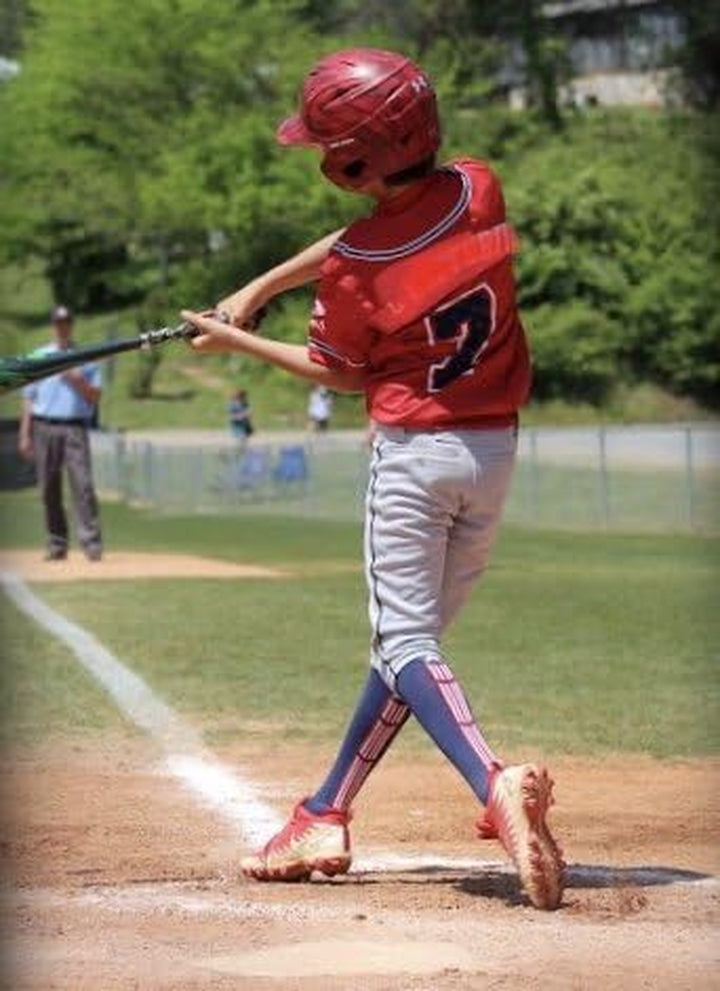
(61, 313)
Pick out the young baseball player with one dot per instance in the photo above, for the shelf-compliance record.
(415, 306)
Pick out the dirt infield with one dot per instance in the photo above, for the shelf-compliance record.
(126, 565)
(120, 880)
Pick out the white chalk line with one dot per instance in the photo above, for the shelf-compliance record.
(152, 899)
(184, 900)
(186, 758)
(233, 797)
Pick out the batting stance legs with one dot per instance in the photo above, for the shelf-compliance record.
(433, 508)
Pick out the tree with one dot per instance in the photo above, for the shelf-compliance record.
(698, 54)
(159, 150)
(13, 16)
(466, 44)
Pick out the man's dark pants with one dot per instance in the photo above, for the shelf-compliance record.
(65, 445)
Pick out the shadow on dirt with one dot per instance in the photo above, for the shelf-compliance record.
(497, 884)
(490, 881)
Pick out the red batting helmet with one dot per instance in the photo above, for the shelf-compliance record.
(371, 112)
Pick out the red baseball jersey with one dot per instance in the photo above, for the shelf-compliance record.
(421, 295)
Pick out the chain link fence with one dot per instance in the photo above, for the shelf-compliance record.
(633, 479)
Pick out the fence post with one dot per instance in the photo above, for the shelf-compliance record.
(534, 476)
(603, 478)
(689, 478)
(122, 474)
(148, 472)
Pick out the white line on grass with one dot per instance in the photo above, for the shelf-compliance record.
(186, 758)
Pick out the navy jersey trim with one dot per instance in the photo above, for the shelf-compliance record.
(423, 240)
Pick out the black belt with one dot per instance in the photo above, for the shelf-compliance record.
(60, 423)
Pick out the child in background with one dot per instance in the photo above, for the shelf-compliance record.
(239, 412)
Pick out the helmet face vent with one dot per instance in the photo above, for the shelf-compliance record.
(353, 170)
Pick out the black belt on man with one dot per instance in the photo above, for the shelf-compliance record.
(59, 422)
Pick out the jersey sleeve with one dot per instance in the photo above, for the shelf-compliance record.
(338, 336)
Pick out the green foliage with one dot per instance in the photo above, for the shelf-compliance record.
(138, 152)
(13, 15)
(575, 352)
(614, 241)
(698, 53)
(149, 127)
(676, 316)
(151, 315)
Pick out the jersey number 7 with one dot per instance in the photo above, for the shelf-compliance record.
(469, 321)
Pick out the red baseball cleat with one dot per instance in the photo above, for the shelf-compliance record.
(520, 798)
(309, 842)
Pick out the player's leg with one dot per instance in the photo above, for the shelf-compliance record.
(428, 685)
(474, 530)
(416, 494)
(519, 796)
(87, 513)
(49, 453)
(438, 702)
(378, 718)
(316, 837)
(413, 542)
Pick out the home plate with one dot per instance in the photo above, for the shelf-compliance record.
(344, 957)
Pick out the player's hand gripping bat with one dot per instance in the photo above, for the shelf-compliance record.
(15, 372)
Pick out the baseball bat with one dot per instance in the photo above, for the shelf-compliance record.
(16, 372)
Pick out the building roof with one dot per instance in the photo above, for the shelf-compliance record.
(563, 8)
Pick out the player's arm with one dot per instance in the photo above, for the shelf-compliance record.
(89, 392)
(302, 268)
(25, 444)
(219, 338)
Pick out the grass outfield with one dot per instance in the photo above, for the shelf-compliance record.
(44, 689)
(573, 643)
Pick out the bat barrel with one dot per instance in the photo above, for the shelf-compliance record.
(16, 372)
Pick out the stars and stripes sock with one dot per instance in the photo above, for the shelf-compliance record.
(378, 719)
(429, 688)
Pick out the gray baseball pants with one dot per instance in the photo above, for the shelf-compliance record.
(433, 507)
(65, 445)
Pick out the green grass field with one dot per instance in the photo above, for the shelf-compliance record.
(573, 643)
(44, 689)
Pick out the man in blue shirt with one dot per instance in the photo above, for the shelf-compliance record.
(54, 430)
